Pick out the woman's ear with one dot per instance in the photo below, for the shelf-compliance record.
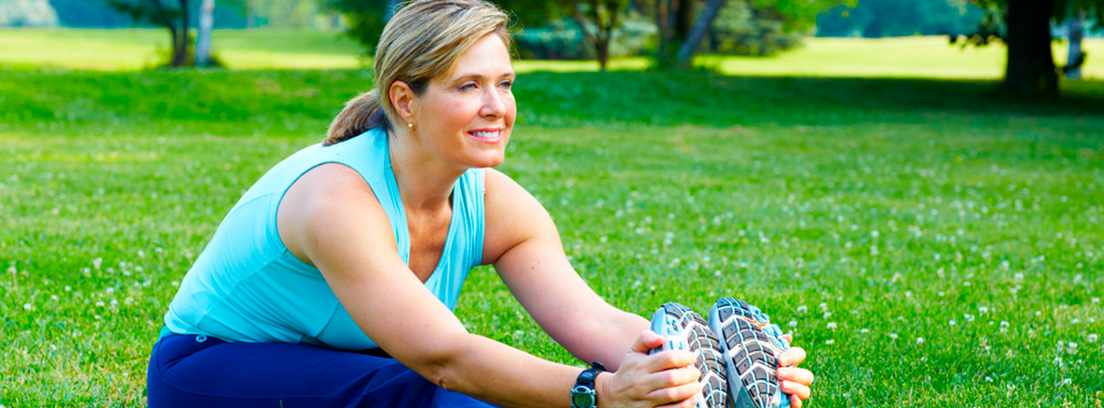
(402, 98)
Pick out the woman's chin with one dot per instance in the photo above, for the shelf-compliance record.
(490, 161)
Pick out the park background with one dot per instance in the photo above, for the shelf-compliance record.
(930, 234)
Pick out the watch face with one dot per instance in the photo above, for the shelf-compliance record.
(582, 397)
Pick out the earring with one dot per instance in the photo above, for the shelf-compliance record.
(410, 126)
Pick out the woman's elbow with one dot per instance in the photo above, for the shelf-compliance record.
(440, 362)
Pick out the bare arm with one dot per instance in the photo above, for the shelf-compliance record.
(526, 250)
(331, 218)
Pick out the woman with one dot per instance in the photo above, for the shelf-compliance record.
(332, 281)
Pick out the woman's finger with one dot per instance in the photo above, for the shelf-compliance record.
(795, 374)
(795, 389)
(674, 395)
(645, 342)
(792, 356)
(674, 377)
(788, 338)
(669, 359)
(795, 402)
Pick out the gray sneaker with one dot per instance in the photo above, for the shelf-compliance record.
(682, 329)
(751, 346)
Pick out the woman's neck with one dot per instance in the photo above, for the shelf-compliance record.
(425, 182)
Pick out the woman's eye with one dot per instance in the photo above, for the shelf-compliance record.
(467, 87)
(506, 84)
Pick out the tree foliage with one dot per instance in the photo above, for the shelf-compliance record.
(27, 13)
(894, 18)
(742, 29)
(675, 20)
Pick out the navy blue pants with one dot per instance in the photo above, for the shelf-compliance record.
(202, 371)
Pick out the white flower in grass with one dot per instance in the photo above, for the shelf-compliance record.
(1093, 338)
(893, 336)
(1038, 313)
(28, 306)
(919, 340)
(97, 262)
(1066, 381)
(1096, 300)
(802, 309)
(53, 297)
(829, 342)
(988, 379)
(792, 323)
(864, 331)
(832, 325)
(942, 294)
(983, 309)
(952, 322)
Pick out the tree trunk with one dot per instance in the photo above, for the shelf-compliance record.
(180, 38)
(667, 12)
(203, 38)
(698, 32)
(1076, 55)
(1030, 70)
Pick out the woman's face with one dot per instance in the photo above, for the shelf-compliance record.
(466, 116)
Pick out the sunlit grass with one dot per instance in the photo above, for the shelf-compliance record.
(135, 49)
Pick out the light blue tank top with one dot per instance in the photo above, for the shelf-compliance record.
(247, 286)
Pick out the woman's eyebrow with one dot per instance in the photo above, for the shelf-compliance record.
(507, 74)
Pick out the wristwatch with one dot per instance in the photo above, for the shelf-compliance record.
(583, 394)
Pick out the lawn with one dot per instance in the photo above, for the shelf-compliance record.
(929, 244)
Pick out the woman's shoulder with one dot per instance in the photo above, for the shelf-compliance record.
(513, 215)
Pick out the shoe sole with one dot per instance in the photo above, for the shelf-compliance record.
(682, 329)
(750, 346)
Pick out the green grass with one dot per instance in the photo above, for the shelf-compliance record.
(898, 209)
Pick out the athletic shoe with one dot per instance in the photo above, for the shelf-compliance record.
(682, 329)
(751, 346)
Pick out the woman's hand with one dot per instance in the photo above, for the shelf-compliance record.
(794, 381)
(667, 379)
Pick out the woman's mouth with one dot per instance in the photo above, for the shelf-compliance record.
(486, 135)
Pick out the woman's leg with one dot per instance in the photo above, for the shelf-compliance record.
(194, 371)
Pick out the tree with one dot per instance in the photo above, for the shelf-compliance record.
(27, 13)
(366, 19)
(893, 18)
(173, 15)
(596, 19)
(675, 20)
(1030, 70)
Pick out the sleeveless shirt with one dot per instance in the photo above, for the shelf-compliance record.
(247, 286)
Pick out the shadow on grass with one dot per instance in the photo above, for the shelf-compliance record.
(708, 98)
(303, 102)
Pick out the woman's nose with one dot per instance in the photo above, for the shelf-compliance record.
(494, 104)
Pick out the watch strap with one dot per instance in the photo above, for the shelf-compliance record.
(584, 385)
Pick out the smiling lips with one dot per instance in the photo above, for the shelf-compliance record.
(486, 135)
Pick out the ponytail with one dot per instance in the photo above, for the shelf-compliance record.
(360, 114)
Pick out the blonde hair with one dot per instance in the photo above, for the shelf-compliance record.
(421, 42)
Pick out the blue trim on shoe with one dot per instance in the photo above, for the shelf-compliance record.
(752, 320)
